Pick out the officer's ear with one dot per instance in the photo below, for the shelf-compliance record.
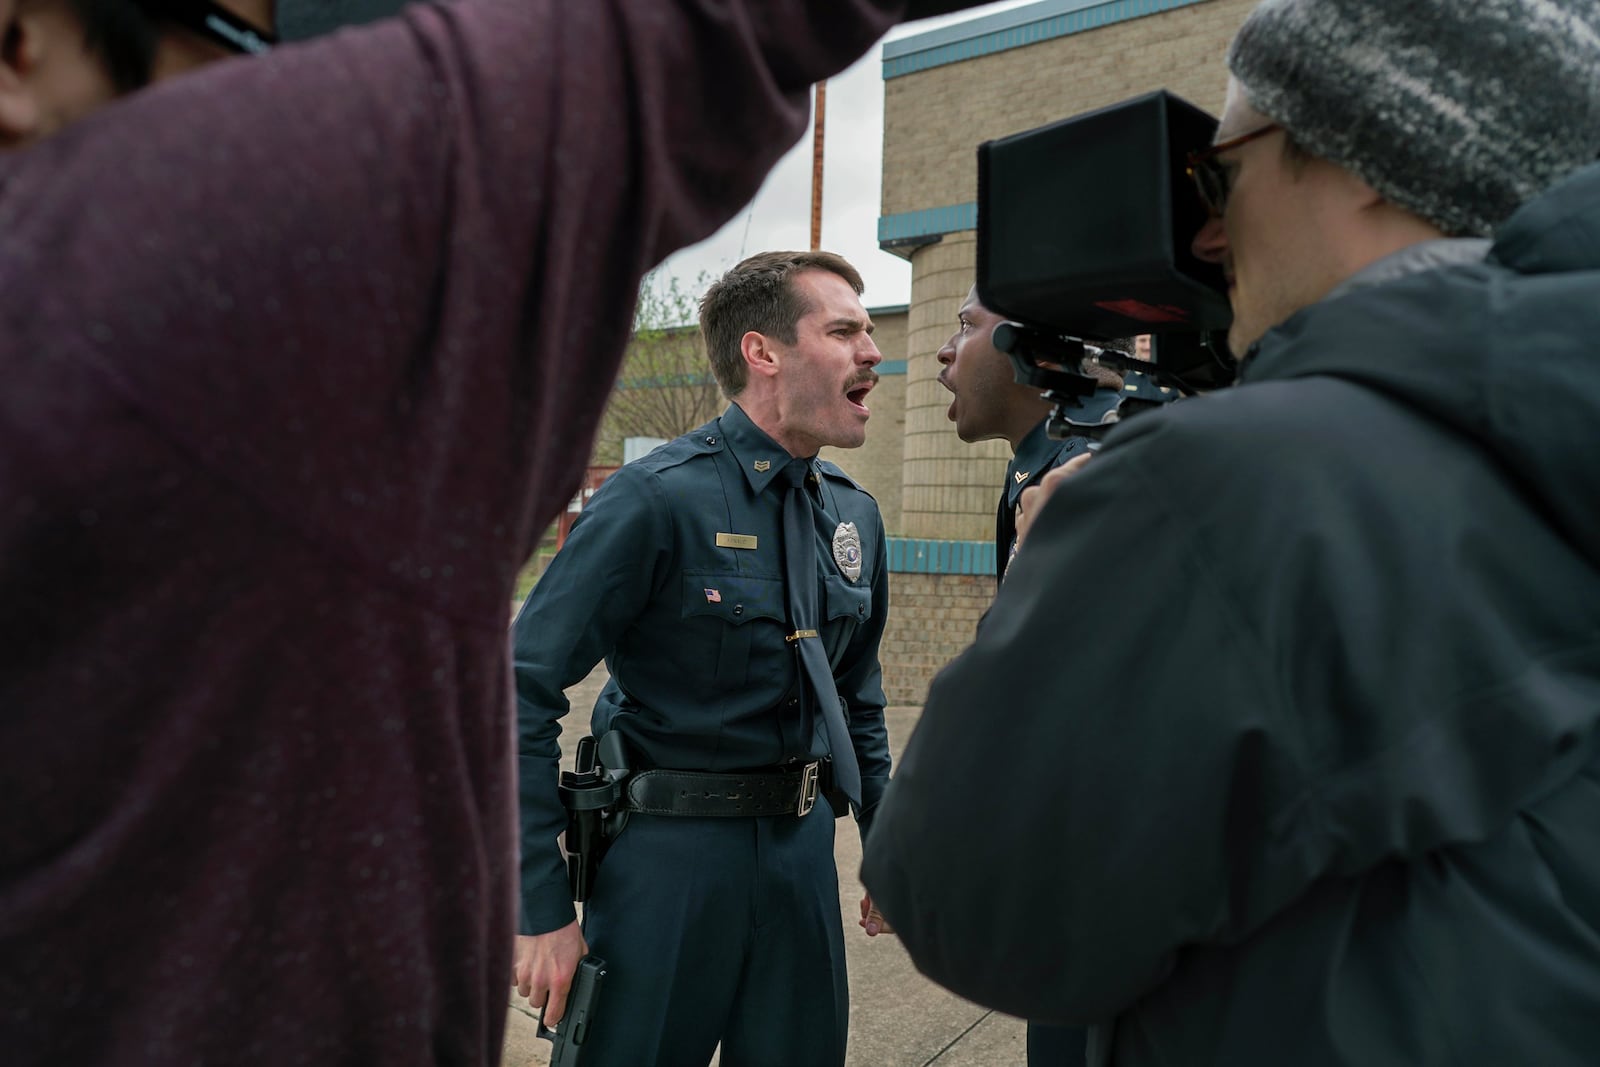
(19, 107)
(760, 354)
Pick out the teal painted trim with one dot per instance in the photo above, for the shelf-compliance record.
(928, 222)
(909, 555)
(891, 366)
(1013, 29)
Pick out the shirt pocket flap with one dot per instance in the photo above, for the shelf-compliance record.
(733, 598)
(849, 601)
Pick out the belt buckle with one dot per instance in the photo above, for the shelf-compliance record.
(808, 788)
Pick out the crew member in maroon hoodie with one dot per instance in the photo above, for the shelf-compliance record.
(300, 355)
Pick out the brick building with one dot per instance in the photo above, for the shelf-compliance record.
(944, 92)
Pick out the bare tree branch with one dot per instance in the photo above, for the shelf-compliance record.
(665, 387)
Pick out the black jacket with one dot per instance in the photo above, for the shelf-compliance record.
(1326, 789)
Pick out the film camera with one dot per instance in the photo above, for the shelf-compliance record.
(1084, 234)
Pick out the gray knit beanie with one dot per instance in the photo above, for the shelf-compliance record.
(1457, 110)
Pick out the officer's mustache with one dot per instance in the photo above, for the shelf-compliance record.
(864, 378)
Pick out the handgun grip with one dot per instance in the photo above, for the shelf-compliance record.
(569, 1038)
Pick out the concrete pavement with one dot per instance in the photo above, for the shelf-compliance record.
(897, 1017)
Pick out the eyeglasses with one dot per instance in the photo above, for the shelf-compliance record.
(1210, 177)
(213, 22)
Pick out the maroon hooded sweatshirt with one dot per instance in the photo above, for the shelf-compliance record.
(298, 357)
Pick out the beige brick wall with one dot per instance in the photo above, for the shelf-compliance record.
(889, 333)
(934, 119)
(932, 618)
(950, 487)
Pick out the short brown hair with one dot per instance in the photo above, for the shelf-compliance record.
(758, 295)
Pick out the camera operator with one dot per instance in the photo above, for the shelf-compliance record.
(1336, 800)
(301, 354)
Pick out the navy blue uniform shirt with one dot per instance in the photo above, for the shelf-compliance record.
(674, 574)
(1140, 386)
(1037, 455)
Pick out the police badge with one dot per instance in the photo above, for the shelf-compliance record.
(847, 550)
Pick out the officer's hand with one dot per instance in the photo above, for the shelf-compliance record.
(872, 920)
(1034, 496)
(543, 966)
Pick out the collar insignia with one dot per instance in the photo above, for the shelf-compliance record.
(1020, 476)
(763, 466)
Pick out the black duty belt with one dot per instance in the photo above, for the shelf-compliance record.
(773, 792)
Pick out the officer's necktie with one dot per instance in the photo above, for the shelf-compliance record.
(1005, 536)
(800, 571)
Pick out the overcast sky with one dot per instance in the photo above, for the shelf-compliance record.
(780, 215)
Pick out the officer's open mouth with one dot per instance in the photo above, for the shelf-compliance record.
(857, 393)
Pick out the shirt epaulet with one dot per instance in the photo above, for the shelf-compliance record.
(834, 471)
(704, 441)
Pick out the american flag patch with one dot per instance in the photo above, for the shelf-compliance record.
(713, 596)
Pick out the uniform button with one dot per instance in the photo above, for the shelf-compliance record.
(861, 609)
(793, 701)
(711, 440)
(738, 609)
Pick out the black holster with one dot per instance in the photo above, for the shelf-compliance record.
(589, 793)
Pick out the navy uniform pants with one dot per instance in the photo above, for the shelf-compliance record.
(719, 930)
(1057, 1046)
